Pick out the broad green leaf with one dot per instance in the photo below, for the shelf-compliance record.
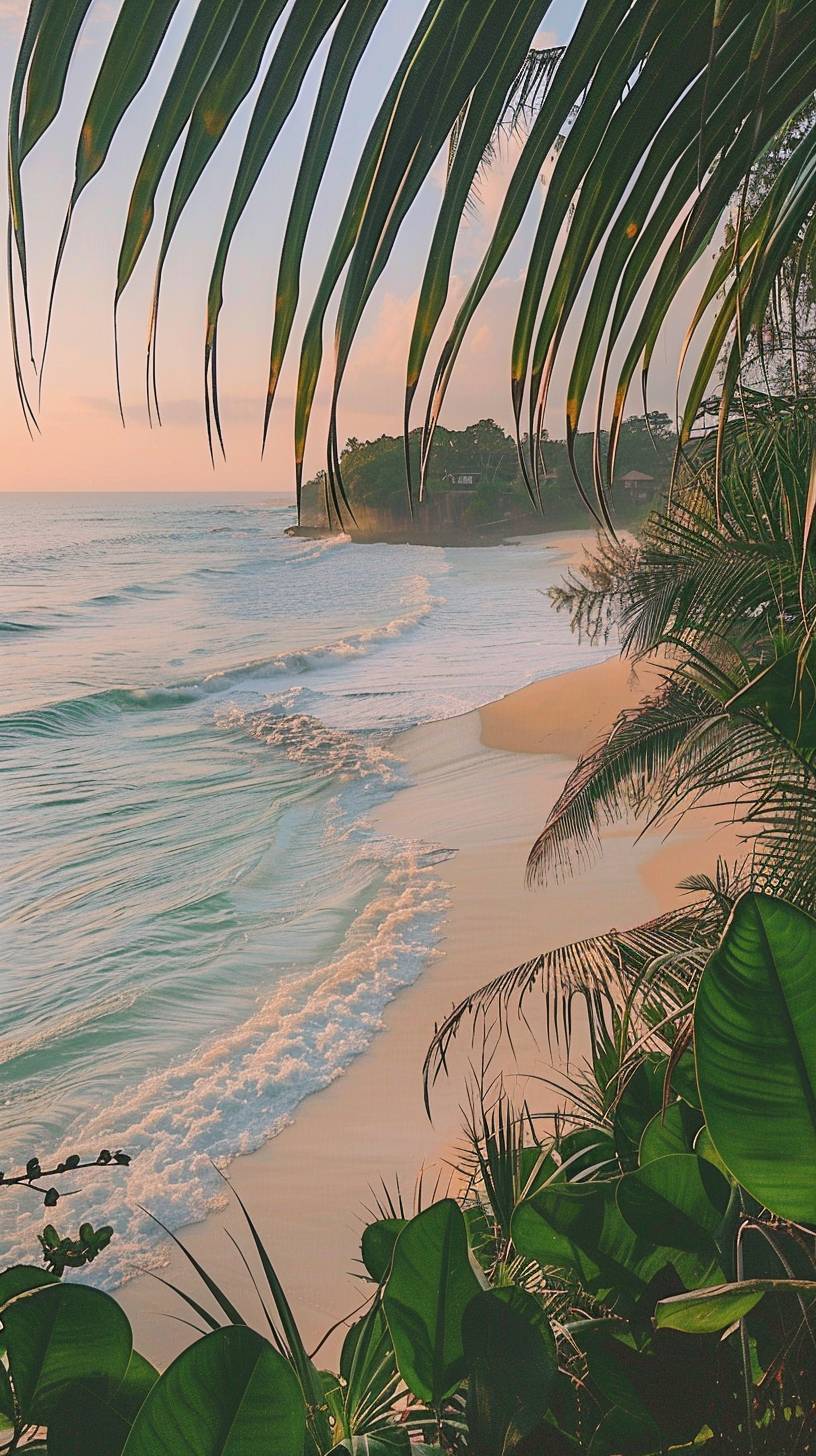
(671, 1132)
(389, 1443)
(20, 1278)
(378, 1244)
(430, 1285)
(666, 1386)
(511, 1363)
(585, 1151)
(624, 1433)
(229, 1394)
(785, 693)
(95, 1418)
(755, 1040)
(61, 1336)
(578, 1228)
(704, 1148)
(707, 1311)
(682, 1200)
(6, 1397)
(640, 1100)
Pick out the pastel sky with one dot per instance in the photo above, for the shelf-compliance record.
(83, 446)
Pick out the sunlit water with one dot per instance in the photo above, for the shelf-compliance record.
(199, 926)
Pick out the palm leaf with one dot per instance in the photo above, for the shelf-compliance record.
(655, 117)
(598, 971)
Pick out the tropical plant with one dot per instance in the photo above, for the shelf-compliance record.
(642, 1278)
(653, 118)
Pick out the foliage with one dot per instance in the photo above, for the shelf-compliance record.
(651, 120)
(616, 1288)
(722, 587)
(373, 473)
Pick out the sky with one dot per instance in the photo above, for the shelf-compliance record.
(82, 445)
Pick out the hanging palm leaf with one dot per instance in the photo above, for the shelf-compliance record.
(655, 116)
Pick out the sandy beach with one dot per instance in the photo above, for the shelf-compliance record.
(482, 786)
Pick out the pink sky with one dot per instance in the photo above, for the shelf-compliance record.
(83, 446)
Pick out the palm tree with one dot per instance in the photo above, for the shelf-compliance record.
(720, 588)
(655, 114)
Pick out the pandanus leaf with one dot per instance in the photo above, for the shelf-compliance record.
(574, 74)
(755, 1042)
(352, 35)
(209, 30)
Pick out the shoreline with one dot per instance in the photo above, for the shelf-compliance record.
(482, 786)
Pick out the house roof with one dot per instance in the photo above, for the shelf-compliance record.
(636, 475)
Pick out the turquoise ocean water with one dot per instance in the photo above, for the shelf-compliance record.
(197, 714)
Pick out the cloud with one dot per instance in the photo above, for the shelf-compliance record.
(13, 12)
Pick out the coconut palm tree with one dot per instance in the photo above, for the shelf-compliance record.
(720, 588)
(654, 114)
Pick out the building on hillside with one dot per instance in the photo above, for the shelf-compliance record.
(638, 487)
(463, 479)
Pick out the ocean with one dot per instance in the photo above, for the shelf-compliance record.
(200, 925)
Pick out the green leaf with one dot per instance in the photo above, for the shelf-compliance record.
(786, 693)
(681, 1199)
(755, 1040)
(671, 1132)
(578, 1228)
(388, 1443)
(6, 1397)
(430, 1285)
(20, 1278)
(95, 1418)
(584, 1150)
(229, 1394)
(640, 1099)
(625, 1433)
(379, 1240)
(60, 1336)
(707, 1311)
(511, 1363)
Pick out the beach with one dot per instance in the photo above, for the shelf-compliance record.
(482, 785)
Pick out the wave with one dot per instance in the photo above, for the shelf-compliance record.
(307, 740)
(18, 627)
(126, 593)
(74, 715)
(12, 1047)
(313, 549)
(77, 715)
(242, 1086)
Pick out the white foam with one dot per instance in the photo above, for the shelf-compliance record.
(242, 1086)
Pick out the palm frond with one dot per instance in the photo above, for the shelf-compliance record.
(655, 117)
(598, 972)
(622, 774)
